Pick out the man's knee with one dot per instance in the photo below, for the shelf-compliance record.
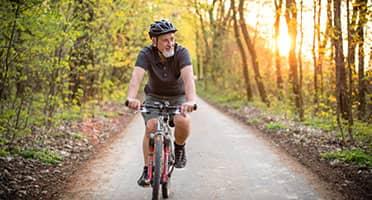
(182, 121)
(151, 125)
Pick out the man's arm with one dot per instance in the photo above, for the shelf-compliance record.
(133, 87)
(187, 76)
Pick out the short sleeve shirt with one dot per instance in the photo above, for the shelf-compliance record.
(164, 77)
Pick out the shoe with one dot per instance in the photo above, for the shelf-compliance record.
(180, 154)
(143, 181)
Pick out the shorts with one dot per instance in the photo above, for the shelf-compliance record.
(150, 99)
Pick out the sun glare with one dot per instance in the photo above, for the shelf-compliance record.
(284, 40)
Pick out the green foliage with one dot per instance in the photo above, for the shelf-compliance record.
(229, 99)
(362, 131)
(78, 136)
(326, 124)
(69, 114)
(62, 55)
(355, 156)
(275, 126)
(3, 152)
(44, 155)
(255, 121)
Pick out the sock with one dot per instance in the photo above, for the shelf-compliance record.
(178, 145)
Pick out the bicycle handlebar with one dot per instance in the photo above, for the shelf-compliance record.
(161, 106)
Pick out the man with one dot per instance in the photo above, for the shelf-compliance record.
(170, 79)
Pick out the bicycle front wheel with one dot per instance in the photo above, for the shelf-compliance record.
(158, 166)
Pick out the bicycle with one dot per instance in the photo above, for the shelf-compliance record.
(161, 152)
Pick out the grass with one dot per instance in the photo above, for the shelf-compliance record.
(71, 114)
(78, 136)
(254, 121)
(325, 124)
(362, 131)
(3, 152)
(355, 156)
(108, 114)
(275, 126)
(44, 155)
(232, 100)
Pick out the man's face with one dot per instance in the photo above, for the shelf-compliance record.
(165, 44)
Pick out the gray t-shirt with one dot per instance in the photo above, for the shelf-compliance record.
(164, 77)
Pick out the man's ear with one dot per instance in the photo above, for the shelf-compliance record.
(153, 41)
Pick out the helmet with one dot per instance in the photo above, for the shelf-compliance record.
(161, 27)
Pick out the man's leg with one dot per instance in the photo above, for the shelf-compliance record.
(182, 132)
(182, 128)
(150, 127)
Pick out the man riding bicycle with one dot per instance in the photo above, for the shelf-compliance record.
(170, 80)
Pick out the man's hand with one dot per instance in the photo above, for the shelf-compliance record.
(187, 107)
(134, 104)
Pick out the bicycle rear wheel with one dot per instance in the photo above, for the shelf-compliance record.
(158, 167)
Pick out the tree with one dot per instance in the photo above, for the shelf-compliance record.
(242, 53)
(215, 22)
(350, 58)
(323, 44)
(299, 56)
(204, 33)
(252, 51)
(341, 89)
(279, 79)
(362, 82)
(291, 18)
(316, 35)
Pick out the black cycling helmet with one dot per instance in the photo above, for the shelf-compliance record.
(161, 27)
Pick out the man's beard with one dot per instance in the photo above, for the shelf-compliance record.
(168, 53)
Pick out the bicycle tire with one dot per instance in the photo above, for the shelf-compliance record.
(157, 167)
(165, 189)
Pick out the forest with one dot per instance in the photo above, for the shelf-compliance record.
(306, 61)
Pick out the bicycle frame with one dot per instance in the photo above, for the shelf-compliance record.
(163, 132)
(161, 155)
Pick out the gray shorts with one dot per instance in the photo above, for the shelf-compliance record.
(150, 99)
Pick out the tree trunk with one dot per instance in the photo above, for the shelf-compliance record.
(252, 51)
(350, 59)
(362, 10)
(206, 47)
(320, 53)
(4, 73)
(242, 53)
(291, 18)
(315, 63)
(323, 44)
(341, 90)
(198, 55)
(299, 56)
(279, 79)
